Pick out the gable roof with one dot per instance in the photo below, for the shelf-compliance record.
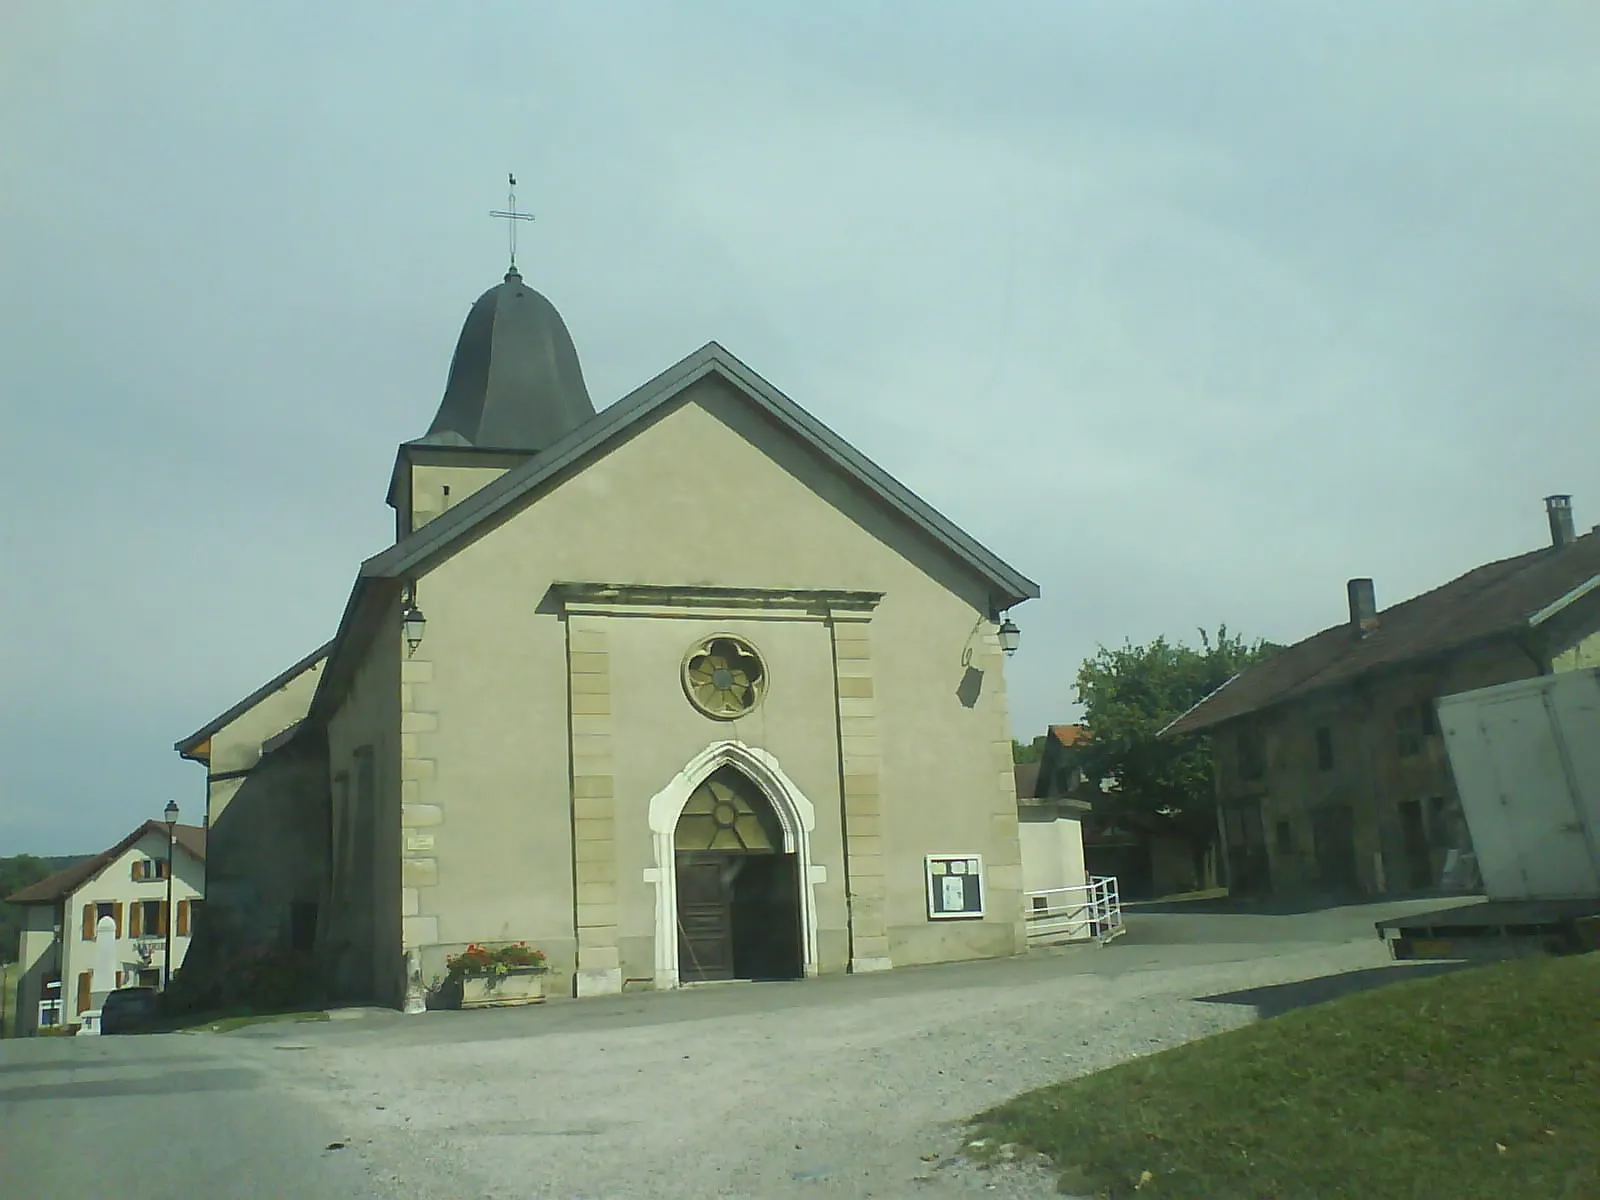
(54, 888)
(1069, 735)
(190, 747)
(440, 536)
(1499, 598)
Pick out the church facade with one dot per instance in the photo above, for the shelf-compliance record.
(686, 689)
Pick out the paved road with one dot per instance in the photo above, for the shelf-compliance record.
(830, 1087)
(164, 1116)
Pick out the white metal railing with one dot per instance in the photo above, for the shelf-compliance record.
(1089, 912)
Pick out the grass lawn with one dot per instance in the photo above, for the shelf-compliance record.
(1479, 1083)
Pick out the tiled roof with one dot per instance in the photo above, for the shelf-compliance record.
(63, 883)
(1498, 598)
(1068, 735)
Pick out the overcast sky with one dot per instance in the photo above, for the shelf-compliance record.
(1189, 311)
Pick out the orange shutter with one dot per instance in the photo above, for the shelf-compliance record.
(116, 915)
(88, 922)
(83, 991)
(133, 870)
(165, 915)
(183, 918)
(135, 920)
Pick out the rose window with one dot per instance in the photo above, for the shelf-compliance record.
(724, 677)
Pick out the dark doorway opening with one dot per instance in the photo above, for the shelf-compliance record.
(1334, 844)
(738, 892)
(1414, 837)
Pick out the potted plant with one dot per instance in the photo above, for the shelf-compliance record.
(492, 976)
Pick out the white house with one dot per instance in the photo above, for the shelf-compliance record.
(127, 883)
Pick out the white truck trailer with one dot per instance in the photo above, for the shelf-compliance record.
(1526, 761)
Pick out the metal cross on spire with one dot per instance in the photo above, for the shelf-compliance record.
(511, 216)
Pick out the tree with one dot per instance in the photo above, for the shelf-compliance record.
(1027, 752)
(17, 872)
(1129, 695)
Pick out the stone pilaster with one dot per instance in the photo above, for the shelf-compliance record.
(860, 774)
(1003, 859)
(594, 818)
(420, 816)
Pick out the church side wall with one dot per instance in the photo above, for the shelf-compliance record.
(370, 758)
(896, 731)
(237, 745)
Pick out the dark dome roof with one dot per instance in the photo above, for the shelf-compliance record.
(515, 382)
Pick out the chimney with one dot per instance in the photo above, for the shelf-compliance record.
(1559, 510)
(1363, 606)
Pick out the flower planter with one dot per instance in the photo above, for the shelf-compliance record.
(519, 985)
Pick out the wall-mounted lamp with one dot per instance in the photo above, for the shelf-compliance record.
(413, 623)
(1010, 636)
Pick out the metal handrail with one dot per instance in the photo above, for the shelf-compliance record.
(1089, 911)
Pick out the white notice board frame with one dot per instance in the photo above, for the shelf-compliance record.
(937, 868)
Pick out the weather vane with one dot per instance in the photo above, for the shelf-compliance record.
(511, 216)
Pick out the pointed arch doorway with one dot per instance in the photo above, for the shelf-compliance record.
(733, 875)
(738, 892)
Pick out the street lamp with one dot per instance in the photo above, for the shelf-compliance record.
(413, 622)
(1010, 636)
(171, 813)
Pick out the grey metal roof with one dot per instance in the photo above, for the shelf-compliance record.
(1010, 585)
(515, 382)
(439, 537)
(185, 745)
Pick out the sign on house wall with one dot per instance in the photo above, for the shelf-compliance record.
(955, 886)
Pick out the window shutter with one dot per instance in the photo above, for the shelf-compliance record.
(183, 918)
(83, 991)
(88, 922)
(133, 870)
(116, 915)
(165, 914)
(135, 920)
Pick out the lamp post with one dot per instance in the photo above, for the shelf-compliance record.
(171, 813)
(1010, 636)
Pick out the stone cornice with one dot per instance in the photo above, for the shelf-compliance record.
(693, 600)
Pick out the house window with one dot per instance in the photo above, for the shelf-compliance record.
(147, 920)
(1285, 833)
(1324, 749)
(1410, 728)
(1252, 754)
(148, 869)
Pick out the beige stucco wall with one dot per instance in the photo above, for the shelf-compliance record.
(359, 943)
(1582, 655)
(436, 488)
(237, 745)
(707, 493)
(37, 959)
(1052, 854)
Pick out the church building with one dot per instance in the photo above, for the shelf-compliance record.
(684, 689)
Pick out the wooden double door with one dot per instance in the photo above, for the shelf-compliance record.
(738, 916)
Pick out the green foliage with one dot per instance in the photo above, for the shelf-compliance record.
(1027, 752)
(17, 872)
(1129, 695)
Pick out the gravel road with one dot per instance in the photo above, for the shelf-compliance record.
(849, 1087)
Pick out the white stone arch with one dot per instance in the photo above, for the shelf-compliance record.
(797, 817)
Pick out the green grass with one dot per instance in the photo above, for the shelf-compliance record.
(224, 1022)
(1479, 1083)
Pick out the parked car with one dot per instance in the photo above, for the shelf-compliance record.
(129, 1009)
